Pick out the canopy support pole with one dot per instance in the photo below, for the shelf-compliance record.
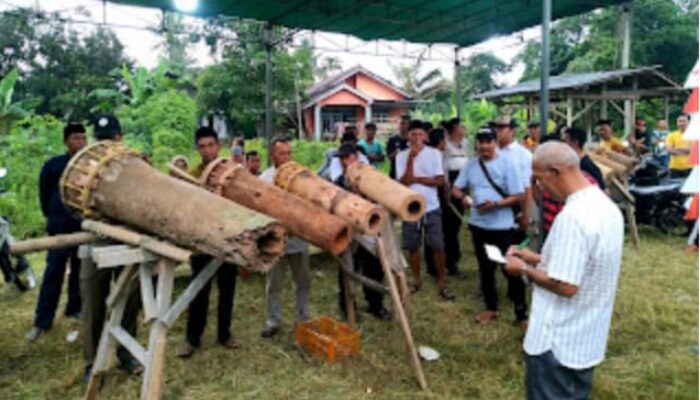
(544, 94)
(458, 88)
(268, 88)
(626, 47)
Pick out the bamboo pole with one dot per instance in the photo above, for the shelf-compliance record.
(51, 242)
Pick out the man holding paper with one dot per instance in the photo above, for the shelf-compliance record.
(574, 280)
(494, 186)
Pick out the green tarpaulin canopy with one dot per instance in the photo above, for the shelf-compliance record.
(457, 22)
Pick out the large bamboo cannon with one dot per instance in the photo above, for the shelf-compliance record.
(108, 180)
(300, 216)
(299, 180)
(397, 198)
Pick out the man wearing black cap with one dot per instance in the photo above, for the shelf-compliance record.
(335, 169)
(95, 284)
(58, 221)
(365, 261)
(494, 186)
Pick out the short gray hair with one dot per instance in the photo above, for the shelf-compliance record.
(556, 153)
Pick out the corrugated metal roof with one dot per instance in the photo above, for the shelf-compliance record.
(460, 22)
(653, 78)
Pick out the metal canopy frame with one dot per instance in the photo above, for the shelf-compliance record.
(459, 22)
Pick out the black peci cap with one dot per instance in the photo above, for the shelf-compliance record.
(486, 133)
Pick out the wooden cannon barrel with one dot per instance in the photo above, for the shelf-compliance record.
(365, 216)
(397, 198)
(300, 216)
(109, 180)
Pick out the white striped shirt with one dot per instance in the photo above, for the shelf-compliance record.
(584, 248)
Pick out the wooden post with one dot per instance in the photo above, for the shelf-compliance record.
(401, 314)
(569, 110)
(155, 357)
(348, 286)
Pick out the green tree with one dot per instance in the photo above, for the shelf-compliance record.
(477, 74)
(327, 67)
(12, 111)
(235, 87)
(664, 32)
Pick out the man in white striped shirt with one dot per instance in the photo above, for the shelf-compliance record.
(574, 280)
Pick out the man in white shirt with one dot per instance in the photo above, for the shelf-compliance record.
(574, 280)
(420, 168)
(296, 256)
(522, 159)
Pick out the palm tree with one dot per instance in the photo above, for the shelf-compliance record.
(419, 86)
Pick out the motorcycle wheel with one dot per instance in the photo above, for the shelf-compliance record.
(670, 220)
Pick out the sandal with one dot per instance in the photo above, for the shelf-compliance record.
(414, 288)
(447, 294)
(131, 366)
(485, 317)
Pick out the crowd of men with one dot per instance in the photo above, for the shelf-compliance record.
(498, 179)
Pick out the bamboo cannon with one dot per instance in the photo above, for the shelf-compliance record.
(108, 180)
(400, 200)
(300, 216)
(363, 215)
(615, 167)
(51, 242)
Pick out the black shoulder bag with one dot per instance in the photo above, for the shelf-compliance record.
(516, 208)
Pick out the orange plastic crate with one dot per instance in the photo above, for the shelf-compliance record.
(327, 338)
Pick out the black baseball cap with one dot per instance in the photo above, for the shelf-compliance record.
(346, 150)
(106, 126)
(486, 133)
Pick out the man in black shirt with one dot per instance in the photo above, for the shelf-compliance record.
(58, 221)
(576, 138)
(397, 143)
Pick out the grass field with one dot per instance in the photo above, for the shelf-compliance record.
(652, 352)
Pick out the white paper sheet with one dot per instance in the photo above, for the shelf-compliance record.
(494, 254)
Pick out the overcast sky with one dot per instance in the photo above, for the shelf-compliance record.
(142, 45)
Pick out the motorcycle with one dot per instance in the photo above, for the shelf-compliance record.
(658, 199)
(20, 274)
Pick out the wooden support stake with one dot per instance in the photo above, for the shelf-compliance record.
(399, 310)
(123, 281)
(629, 209)
(348, 286)
(136, 239)
(378, 287)
(190, 292)
(155, 357)
(126, 340)
(105, 349)
(147, 294)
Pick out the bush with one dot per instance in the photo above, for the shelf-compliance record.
(23, 152)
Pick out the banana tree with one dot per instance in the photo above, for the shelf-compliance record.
(13, 111)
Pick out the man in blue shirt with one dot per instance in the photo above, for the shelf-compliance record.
(494, 186)
(372, 148)
(58, 221)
